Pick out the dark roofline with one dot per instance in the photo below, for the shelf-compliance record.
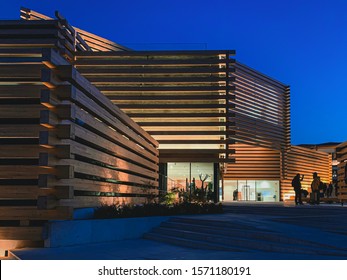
(321, 144)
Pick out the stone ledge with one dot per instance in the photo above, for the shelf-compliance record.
(78, 232)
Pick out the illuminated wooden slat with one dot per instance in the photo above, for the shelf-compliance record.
(253, 163)
(20, 151)
(71, 74)
(159, 88)
(305, 161)
(118, 98)
(137, 71)
(71, 148)
(95, 62)
(95, 109)
(21, 172)
(21, 233)
(166, 84)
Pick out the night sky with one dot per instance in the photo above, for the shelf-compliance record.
(302, 43)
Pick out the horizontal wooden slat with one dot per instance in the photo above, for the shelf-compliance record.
(33, 192)
(20, 111)
(75, 148)
(101, 70)
(95, 141)
(21, 233)
(94, 109)
(32, 213)
(21, 130)
(103, 172)
(22, 171)
(109, 62)
(69, 73)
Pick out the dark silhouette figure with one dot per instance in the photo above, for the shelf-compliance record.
(330, 189)
(336, 189)
(315, 188)
(235, 193)
(296, 184)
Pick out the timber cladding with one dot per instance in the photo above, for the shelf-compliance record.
(64, 145)
(305, 161)
(182, 98)
(341, 151)
(253, 163)
(261, 109)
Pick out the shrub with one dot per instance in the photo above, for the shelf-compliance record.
(155, 209)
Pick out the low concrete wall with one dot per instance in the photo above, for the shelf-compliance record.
(69, 233)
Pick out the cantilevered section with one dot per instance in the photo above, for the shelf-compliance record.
(182, 98)
(262, 126)
(261, 109)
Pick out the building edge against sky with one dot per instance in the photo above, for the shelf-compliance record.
(217, 122)
(210, 114)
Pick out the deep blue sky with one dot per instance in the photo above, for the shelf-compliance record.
(302, 43)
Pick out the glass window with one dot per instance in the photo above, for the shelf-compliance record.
(183, 174)
(251, 190)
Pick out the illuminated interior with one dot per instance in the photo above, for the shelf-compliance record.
(251, 190)
(182, 174)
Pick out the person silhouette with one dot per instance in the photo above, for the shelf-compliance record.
(315, 188)
(296, 184)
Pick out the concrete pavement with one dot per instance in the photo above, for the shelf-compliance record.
(321, 229)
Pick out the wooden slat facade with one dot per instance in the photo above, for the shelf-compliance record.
(64, 145)
(253, 163)
(341, 152)
(183, 98)
(199, 105)
(305, 161)
(261, 109)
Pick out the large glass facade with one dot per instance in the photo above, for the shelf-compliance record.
(251, 190)
(182, 175)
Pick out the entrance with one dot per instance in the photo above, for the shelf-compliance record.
(246, 190)
(251, 190)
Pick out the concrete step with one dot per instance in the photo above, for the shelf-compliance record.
(237, 232)
(211, 223)
(191, 243)
(216, 241)
(257, 245)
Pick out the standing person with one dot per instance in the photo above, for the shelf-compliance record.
(235, 193)
(336, 189)
(315, 188)
(330, 189)
(296, 184)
